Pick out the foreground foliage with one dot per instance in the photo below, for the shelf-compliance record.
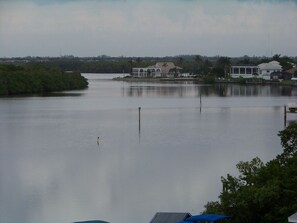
(262, 192)
(37, 79)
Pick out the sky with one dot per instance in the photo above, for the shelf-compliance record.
(148, 28)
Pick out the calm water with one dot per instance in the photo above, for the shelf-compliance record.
(53, 171)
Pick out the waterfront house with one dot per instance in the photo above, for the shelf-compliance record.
(170, 217)
(160, 69)
(278, 75)
(245, 71)
(146, 72)
(266, 69)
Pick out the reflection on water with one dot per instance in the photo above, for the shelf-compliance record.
(222, 90)
(63, 94)
(49, 94)
(170, 158)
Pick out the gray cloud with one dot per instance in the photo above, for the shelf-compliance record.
(268, 1)
(146, 28)
(48, 2)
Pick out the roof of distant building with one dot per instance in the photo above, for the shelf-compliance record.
(273, 65)
(170, 217)
(166, 67)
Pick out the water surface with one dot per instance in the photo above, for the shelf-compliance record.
(52, 169)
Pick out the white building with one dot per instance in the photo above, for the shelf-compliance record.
(146, 72)
(245, 71)
(161, 69)
(265, 69)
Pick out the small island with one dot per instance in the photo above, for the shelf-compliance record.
(37, 79)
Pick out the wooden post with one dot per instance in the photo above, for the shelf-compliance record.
(285, 116)
(200, 100)
(139, 108)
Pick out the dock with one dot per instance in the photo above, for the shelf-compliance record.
(289, 108)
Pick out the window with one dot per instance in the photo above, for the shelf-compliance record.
(242, 70)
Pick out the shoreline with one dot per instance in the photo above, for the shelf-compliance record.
(202, 81)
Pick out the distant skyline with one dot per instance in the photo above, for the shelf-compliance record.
(147, 27)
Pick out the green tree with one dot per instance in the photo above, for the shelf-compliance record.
(284, 61)
(288, 141)
(206, 67)
(131, 65)
(262, 193)
(245, 60)
(180, 61)
(35, 78)
(222, 67)
(276, 57)
(199, 62)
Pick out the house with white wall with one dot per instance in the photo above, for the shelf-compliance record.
(146, 72)
(245, 71)
(161, 69)
(265, 69)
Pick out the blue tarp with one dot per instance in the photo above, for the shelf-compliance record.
(206, 217)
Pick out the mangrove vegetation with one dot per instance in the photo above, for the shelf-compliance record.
(36, 78)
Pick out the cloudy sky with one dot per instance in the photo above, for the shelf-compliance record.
(148, 27)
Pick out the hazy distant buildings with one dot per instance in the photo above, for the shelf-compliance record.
(161, 69)
(245, 71)
(264, 70)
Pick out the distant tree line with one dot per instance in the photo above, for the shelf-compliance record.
(217, 66)
(262, 192)
(36, 78)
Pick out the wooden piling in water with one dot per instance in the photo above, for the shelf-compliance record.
(200, 101)
(139, 108)
(285, 116)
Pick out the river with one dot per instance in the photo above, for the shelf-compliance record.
(168, 159)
